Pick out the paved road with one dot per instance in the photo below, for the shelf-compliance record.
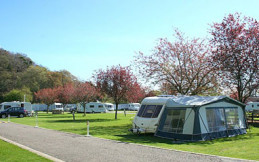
(71, 147)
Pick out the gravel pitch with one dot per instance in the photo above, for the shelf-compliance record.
(77, 148)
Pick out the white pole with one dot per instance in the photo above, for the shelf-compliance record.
(24, 97)
(88, 135)
(31, 110)
(8, 118)
(36, 126)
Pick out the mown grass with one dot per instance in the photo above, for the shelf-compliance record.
(105, 126)
(12, 153)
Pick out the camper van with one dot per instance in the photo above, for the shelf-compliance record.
(92, 107)
(109, 106)
(26, 105)
(190, 118)
(56, 106)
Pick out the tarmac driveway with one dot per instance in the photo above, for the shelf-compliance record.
(72, 147)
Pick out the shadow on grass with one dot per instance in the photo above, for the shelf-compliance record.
(50, 116)
(80, 120)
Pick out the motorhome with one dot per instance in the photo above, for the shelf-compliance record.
(26, 105)
(190, 118)
(109, 106)
(56, 106)
(92, 107)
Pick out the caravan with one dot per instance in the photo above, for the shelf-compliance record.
(252, 106)
(134, 106)
(92, 107)
(129, 106)
(26, 105)
(190, 118)
(109, 106)
(147, 118)
(56, 106)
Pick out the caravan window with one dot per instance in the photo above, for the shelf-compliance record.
(100, 106)
(58, 106)
(91, 106)
(7, 106)
(216, 119)
(158, 109)
(142, 108)
(174, 121)
(232, 118)
(149, 111)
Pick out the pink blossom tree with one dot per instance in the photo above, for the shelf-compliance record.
(119, 83)
(181, 65)
(235, 43)
(84, 93)
(65, 94)
(47, 96)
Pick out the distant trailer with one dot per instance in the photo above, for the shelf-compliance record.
(129, 106)
(252, 106)
(39, 107)
(109, 106)
(56, 106)
(92, 107)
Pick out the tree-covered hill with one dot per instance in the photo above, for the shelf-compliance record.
(19, 75)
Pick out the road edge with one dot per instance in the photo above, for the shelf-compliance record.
(32, 150)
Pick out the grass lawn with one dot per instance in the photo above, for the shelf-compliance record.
(12, 153)
(105, 126)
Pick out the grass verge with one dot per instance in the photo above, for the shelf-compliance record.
(105, 126)
(12, 153)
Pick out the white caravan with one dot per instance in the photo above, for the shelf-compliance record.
(134, 106)
(252, 106)
(109, 106)
(92, 107)
(26, 105)
(147, 117)
(129, 106)
(56, 106)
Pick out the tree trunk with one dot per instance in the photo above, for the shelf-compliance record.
(116, 110)
(47, 109)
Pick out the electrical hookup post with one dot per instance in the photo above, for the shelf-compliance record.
(88, 133)
(36, 120)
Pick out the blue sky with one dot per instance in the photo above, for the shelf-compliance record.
(85, 35)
